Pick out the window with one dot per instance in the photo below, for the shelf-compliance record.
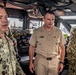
(35, 24)
(15, 23)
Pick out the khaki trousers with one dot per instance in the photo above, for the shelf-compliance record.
(46, 67)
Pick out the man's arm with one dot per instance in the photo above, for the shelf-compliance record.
(31, 54)
(62, 53)
(19, 70)
(62, 56)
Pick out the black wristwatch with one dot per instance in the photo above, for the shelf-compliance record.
(61, 62)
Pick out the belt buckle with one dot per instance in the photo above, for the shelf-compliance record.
(49, 58)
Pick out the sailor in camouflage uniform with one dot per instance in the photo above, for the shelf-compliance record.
(8, 62)
(71, 53)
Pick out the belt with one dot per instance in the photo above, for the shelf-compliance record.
(49, 58)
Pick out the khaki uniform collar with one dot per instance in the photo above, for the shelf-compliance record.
(43, 28)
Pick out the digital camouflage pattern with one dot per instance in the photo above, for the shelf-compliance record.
(8, 61)
(71, 53)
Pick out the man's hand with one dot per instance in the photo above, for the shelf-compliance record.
(31, 67)
(61, 66)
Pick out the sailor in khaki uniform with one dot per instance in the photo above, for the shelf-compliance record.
(48, 41)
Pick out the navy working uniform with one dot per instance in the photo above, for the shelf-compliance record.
(8, 62)
(71, 52)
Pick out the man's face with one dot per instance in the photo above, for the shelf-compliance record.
(49, 20)
(3, 21)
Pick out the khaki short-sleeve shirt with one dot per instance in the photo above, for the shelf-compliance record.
(47, 43)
